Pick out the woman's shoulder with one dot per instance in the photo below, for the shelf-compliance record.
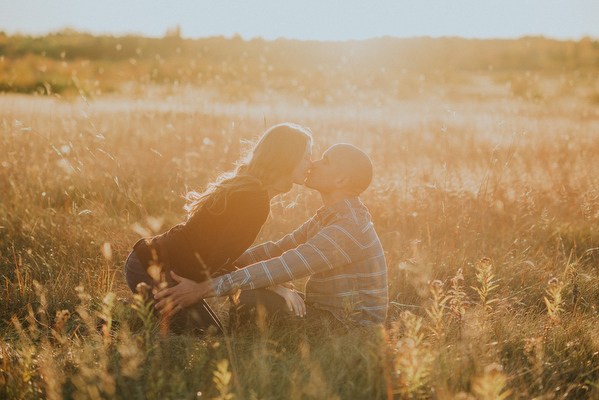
(246, 207)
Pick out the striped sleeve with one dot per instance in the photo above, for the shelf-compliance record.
(334, 246)
(269, 250)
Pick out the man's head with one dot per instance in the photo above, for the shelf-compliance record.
(343, 168)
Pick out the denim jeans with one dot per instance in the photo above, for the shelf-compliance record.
(196, 318)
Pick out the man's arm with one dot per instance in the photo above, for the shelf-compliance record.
(335, 245)
(270, 250)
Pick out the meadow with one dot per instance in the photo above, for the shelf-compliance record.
(485, 199)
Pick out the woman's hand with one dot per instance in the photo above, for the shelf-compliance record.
(294, 301)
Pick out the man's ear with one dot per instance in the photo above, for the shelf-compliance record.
(342, 181)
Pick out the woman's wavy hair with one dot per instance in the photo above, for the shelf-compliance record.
(276, 155)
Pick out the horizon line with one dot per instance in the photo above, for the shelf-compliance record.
(67, 30)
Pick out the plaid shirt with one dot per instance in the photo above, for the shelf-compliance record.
(340, 251)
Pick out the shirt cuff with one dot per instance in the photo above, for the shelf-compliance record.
(224, 286)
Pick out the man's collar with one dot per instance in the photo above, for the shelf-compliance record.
(341, 207)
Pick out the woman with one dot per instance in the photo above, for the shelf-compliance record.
(223, 221)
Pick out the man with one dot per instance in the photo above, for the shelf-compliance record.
(338, 248)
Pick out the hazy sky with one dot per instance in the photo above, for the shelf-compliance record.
(308, 19)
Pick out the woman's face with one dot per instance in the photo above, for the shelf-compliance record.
(300, 172)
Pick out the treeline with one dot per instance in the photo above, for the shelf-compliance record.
(70, 60)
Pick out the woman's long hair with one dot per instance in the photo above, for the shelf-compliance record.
(275, 156)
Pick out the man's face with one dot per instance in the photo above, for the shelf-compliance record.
(324, 172)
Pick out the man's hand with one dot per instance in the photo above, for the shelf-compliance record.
(186, 293)
(294, 301)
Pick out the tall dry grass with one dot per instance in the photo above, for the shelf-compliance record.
(487, 211)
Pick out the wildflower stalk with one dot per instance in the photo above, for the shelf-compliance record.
(487, 283)
(222, 379)
(456, 300)
(106, 315)
(437, 308)
(554, 302)
(573, 276)
(413, 362)
(144, 306)
(491, 385)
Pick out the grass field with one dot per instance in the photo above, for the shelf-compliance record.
(487, 207)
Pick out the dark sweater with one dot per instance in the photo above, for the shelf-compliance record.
(206, 245)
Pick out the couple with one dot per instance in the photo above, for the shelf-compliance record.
(208, 255)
